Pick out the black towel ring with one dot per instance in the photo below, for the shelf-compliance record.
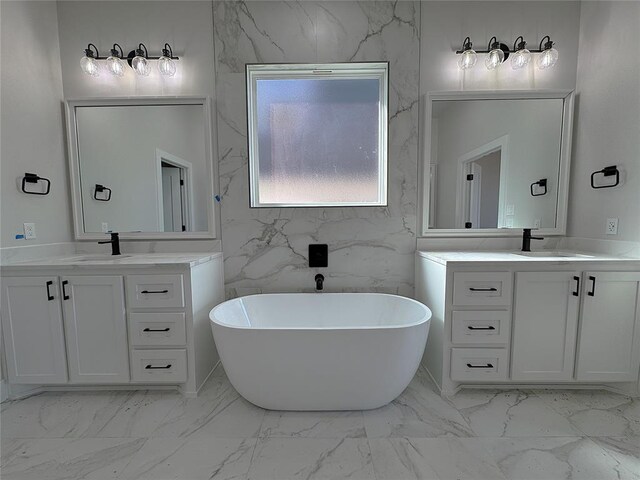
(606, 172)
(542, 183)
(99, 189)
(34, 178)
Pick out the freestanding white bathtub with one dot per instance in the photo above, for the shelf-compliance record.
(329, 351)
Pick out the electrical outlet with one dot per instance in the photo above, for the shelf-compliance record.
(536, 223)
(612, 226)
(29, 231)
(511, 209)
(509, 222)
(105, 227)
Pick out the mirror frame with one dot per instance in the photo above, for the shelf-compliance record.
(424, 185)
(74, 165)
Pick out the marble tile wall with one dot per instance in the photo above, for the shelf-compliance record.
(371, 249)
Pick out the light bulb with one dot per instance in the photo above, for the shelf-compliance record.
(548, 58)
(89, 65)
(520, 59)
(141, 65)
(166, 66)
(494, 58)
(115, 66)
(467, 59)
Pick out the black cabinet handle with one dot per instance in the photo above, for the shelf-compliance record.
(154, 291)
(577, 291)
(156, 329)
(151, 367)
(49, 296)
(490, 327)
(592, 293)
(489, 289)
(488, 365)
(64, 290)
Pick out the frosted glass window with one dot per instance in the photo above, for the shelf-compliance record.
(317, 134)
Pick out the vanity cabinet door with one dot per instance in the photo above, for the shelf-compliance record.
(33, 332)
(545, 323)
(96, 329)
(609, 338)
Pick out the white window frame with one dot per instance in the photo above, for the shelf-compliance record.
(342, 71)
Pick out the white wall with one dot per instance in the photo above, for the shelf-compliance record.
(185, 25)
(32, 135)
(445, 24)
(607, 130)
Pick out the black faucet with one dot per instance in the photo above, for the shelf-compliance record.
(526, 239)
(319, 281)
(115, 243)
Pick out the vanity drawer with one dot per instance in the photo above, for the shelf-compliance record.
(482, 288)
(159, 366)
(478, 364)
(155, 291)
(480, 327)
(157, 329)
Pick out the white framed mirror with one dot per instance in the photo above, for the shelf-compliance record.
(495, 162)
(141, 167)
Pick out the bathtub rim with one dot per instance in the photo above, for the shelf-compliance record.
(425, 318)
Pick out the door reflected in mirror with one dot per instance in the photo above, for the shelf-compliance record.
(487, 157)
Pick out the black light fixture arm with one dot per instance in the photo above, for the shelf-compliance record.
(116, 51)
(519, 44)
(547, 45)
(89, 52)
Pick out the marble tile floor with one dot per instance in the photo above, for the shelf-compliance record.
(477, 434)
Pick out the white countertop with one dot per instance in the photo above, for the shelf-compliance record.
(124, 260)
(447, 257)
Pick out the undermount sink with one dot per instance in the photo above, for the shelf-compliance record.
(554, 254)
(98, 258)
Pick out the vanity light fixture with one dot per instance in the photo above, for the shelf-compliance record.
(497, 53)
(138, 60)
(468, 57)
(521, 56)
(115, 64)
(88, 63)
(166, 65)
(549, 56)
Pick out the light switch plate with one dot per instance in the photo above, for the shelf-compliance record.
(29, 231)
(612, 226)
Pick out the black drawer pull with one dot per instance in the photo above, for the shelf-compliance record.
(488, 365)
(592, 293)
(64, 290)
(49, 296)
(151, 367)
(489, 289)
(156, 329)
(154, 291)
(490, 327)
(577, 291)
